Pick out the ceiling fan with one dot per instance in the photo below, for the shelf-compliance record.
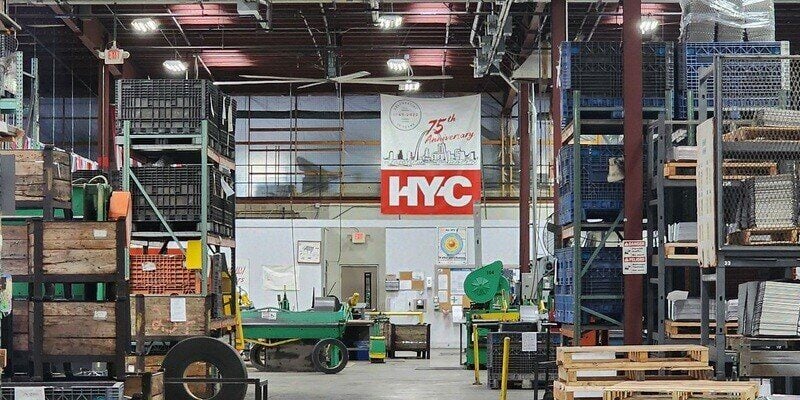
(354, 78)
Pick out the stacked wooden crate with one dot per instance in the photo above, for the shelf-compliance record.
(41, 175)
(72, 330)
(620, 372)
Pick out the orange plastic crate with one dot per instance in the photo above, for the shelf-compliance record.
(162, 274)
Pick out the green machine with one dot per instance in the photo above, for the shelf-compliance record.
(489, 293)
(283, 340)
(90, 198)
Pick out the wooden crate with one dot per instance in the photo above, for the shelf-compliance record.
(90, 249)
(154, 316)
(14, 255)
(79, 328)
(683, 390)
(152, 364)
(149, 384)
(633, 362)
(41, 174)
(691, 329)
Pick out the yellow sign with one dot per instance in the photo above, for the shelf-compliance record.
(194, 254)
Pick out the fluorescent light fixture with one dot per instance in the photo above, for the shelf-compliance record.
(390, 21)
(409, 86)
(397, 64)
(144, 25)
(648, 25)
(175, 66)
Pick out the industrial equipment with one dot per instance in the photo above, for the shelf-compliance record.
(283, 340)
(489, 293)
(377, 340)
(90, 198)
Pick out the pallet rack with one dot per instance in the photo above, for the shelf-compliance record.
(736, 87)
(662, 209)
(189, 146)
(573, 132)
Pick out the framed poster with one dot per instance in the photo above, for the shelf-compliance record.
(309, 252)
(452, 245)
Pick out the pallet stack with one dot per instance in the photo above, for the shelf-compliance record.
(618, 372)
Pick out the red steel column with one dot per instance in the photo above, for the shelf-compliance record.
(523, 97)
(105, 132)
(633, 128)
(558, 28)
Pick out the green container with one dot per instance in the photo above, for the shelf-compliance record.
(277, 324)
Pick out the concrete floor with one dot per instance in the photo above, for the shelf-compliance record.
(407, 379)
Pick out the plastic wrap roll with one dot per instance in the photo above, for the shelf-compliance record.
(733, 19)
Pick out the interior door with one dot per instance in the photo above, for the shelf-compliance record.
(361, 279)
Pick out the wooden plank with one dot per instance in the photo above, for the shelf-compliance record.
(691, 329)
(765, 236)
(157, 319)
(14, 254)
(79, 346)
(73, 230)
(706, 195)
(79, 320)
(76, 262)
(683, 390)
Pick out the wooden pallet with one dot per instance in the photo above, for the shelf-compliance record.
(680, 251)
(763, 134)
(765, 236)
(593, 390)
(732, 170)
(633, 362)
(682, 390)
(691, 329)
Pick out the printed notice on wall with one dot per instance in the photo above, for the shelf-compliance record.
(29, 393)
(634, 257)
(529, 342)
(177, 309)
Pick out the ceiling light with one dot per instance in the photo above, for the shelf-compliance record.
(409, 86)
(390, 21)
(175, 66)
(144, 25)
(648, 25)
(397, 64)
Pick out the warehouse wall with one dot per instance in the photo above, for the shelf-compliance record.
(393, 244)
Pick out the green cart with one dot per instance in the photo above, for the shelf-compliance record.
(283, 340)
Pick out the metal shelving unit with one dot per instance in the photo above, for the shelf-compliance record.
(742, 85)
(571, 234)
(198, 150)
(662, 207)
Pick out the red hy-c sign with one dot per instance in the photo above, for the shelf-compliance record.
(429, 191)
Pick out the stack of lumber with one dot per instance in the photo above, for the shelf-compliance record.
(588, 371)
(683, 390)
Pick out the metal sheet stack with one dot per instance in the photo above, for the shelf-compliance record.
(777, 117)
(689, 310)
(769, 202)
(769, 309)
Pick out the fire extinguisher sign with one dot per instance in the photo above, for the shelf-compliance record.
(430, 155)
(634, 257)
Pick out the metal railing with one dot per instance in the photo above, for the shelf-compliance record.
(357, 181)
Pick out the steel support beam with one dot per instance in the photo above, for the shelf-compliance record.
(524, 178)
(93, 35)
(633, 142)
(558, 34)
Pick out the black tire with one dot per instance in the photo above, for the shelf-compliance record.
(320, 355)
(209, 350)
(257, 357)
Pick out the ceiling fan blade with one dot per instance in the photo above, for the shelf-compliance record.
(312, 84)
(370, 82)
(406, 78)
(243, 83)
(349, 77)
(280, 78)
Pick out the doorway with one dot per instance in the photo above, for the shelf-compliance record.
(361, 279)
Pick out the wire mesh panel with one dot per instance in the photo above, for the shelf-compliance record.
(759, 132)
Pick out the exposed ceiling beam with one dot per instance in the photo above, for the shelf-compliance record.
(93, 35)
(528, 45)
